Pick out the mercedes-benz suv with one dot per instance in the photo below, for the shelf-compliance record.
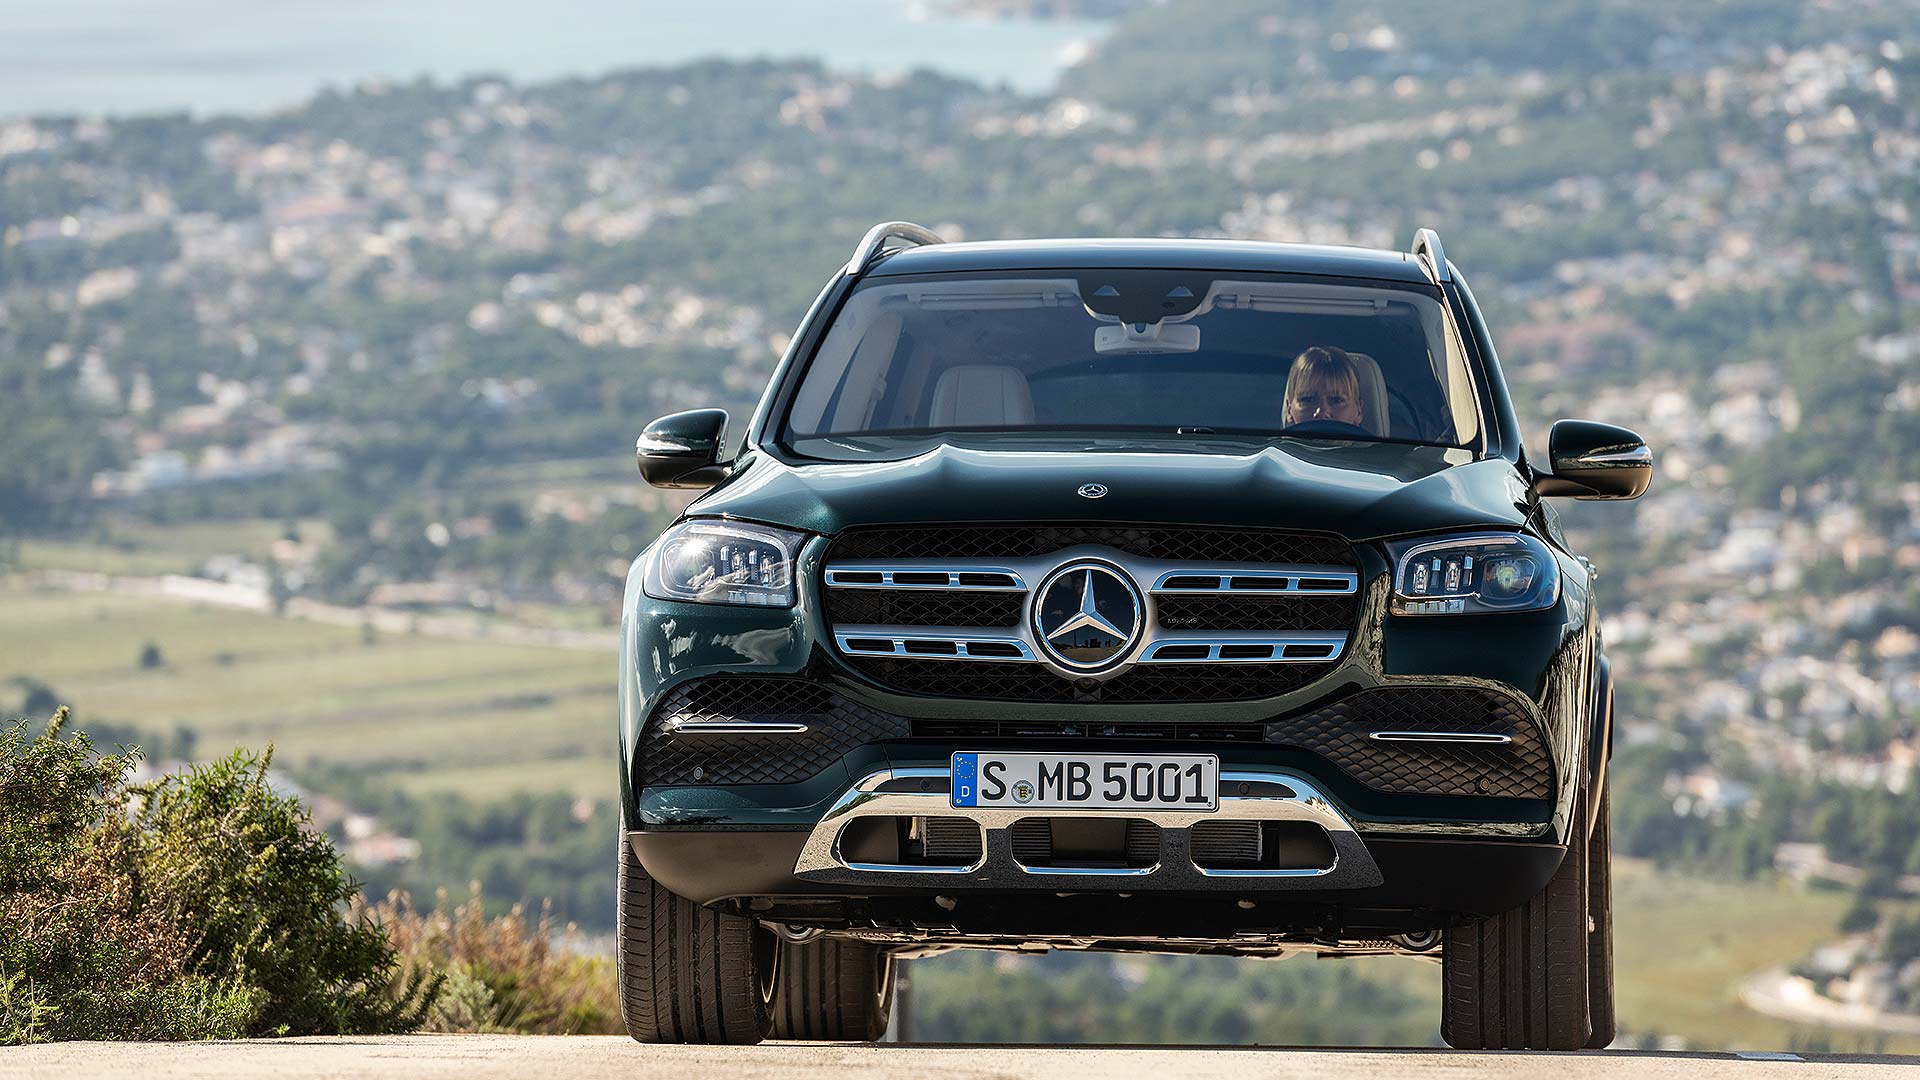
(1152, 595)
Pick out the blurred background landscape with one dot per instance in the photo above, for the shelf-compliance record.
(324, 341)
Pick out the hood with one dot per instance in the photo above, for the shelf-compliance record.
(1361, 491)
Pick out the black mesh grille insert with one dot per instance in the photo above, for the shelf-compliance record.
(1148, 541)
(667, 755)
(1340, 733)
(923, 607)
(1337, 732)
(1258, 613)
(987, 681)
(1052, 729)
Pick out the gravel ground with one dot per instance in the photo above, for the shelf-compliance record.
(483, 1057)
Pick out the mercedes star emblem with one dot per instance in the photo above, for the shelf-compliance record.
(1092, 491)
(1087, 616)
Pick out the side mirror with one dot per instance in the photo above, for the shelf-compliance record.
(683, 450)
(1595, 461)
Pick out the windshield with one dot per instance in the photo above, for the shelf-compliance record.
(1177, 353)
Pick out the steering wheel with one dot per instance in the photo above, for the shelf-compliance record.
(1325, 427)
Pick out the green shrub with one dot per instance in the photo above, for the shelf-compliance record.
(200, 905)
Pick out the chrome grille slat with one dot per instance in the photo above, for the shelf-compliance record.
(894, 575)
(900, 641)
(918, 642)
(1257, 579)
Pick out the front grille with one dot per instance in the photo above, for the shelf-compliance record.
(924, 607)
(1184, 543)
(673, 751)
(1234, 614)
(1342, 733)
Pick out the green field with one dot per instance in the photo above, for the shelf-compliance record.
(475, 717)
(125, 546)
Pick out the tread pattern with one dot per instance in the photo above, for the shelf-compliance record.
(1518, 980)
(832, 990)
(1600, 942)
(687, 973)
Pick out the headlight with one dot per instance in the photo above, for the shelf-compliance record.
(708, 562)
(1473, 575)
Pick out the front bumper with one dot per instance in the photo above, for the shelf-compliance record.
(743, 838)
(919, 792)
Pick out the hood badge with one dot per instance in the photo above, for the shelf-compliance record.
(1087, 616)
(1092, 491)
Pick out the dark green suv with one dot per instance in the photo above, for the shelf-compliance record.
(1149, 595)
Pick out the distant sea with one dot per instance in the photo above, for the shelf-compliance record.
(213, 56)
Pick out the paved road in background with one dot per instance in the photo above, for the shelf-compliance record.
(499, 1057)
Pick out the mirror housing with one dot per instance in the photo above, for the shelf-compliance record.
(1595, 461)
(683, 450)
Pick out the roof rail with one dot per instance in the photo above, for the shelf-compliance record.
(877, 237)
(1433, 257)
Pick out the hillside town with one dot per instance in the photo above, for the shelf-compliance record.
(434, 317)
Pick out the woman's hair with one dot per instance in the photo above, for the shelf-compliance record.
(1323, 363)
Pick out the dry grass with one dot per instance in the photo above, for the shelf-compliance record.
(504, 973)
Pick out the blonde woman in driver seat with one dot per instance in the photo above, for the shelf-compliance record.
(1324, 384)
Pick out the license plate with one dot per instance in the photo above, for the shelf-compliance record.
(1087, 781)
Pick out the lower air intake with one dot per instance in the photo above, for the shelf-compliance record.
(1086, 843)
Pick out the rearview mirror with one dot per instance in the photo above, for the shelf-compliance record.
(1595, 461)
(1146, 339)
(683, 450)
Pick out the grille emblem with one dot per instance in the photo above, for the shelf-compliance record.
(1087, 616)
(1092, 491)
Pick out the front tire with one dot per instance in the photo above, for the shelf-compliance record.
(687, 973)
(1520, 979)
(1600, 942)
(830, 990)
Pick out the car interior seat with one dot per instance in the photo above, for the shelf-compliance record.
(1373, 394)
(982, 395)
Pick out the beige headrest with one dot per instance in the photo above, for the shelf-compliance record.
(1373, 394)
(981, 395)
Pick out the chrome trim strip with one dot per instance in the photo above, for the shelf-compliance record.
(887, 570)
(649, 443)
(904, 868)
(1088, 871)
(1353, 866)
(1478, 737)
(738, 727)
(1639, 455)
(1290, 586)
(898, 636)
